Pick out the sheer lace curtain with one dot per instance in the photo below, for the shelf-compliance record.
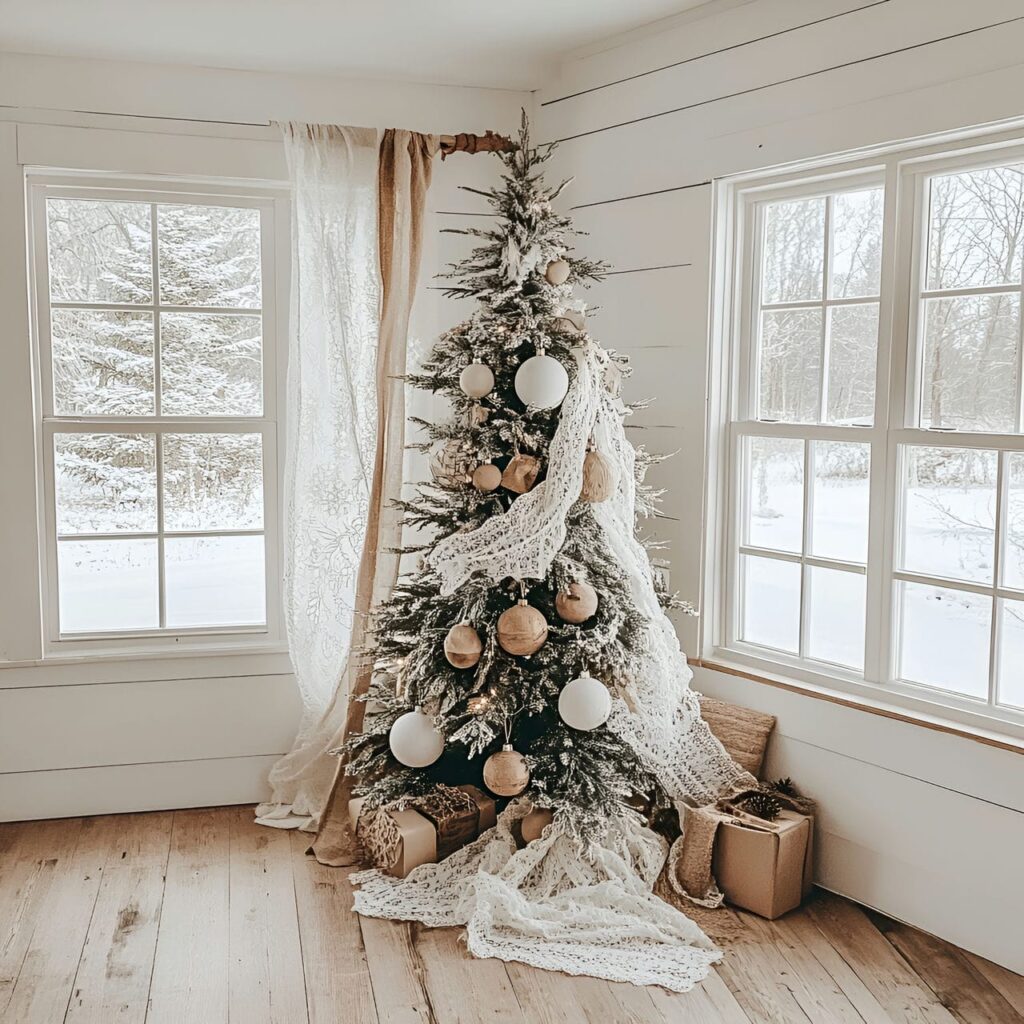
(357, 209)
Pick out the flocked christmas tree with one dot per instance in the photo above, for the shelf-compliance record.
(509, 682)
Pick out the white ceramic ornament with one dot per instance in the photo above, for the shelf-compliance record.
(542, 382)
(477, 380)
(585, 703)
(414, 741)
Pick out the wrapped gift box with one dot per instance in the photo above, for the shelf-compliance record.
(414, 837)
(765, 866)
(455, 820)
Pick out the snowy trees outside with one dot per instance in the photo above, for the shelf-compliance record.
(194, 350)
(820, 264)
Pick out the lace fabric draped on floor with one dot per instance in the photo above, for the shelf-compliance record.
(554, 904)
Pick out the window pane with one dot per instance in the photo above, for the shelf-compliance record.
(969, 379)
(107, 585)
(213, 481)
(857, 243)
(215, 581)
(790, 365)
(976, 227)
(837, 607)
(1011, 654)
(99, 251)
(775, 493)
(853, 344)
(102, 362)
(1013, 559)
(106, 483)
(211, 365)
(794, 251)
(949, 509)
(839, 512)
(209, 256)
(944, 638)
(771, 603)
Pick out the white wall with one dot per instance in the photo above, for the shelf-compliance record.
(924, 825)
(131, 733)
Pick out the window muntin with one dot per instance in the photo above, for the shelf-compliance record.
(875, 474)
(158, 380)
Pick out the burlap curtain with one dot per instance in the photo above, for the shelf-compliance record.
(357, 230)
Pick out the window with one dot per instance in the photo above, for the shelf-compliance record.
(872, 482)
(156, 327)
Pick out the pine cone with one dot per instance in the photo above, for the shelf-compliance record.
(784, 786)
(762, 805)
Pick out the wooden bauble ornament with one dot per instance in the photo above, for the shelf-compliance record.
(520, 474)
(535, 822)
(522, 629)
(541, 382)
(505, 773)
(599, 479)
(584, 703)
(576, 603)
(463, 646)
(557, 272)
(451, 464)
(477, 380)
(414, 741)
(486, 477)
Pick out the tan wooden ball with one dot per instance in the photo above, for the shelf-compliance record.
(576, 603)
(557, 272)
(505, 773)
(535, 822)
(463, 646)
(486, 477)
(522, 629)
(599, 480)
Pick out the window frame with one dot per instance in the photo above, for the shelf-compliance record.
(272, 202)
(904, 172)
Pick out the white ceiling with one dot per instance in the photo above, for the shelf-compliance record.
(510, 44)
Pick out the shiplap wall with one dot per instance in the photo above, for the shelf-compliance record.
(139, 734)
(925, 826)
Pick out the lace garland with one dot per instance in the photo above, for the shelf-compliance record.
(554, 904)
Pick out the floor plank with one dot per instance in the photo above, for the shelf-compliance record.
(266, 984)
(951, 976)
(396, 972)
(710, 1002)
(334, 960)
(1009, 985)
(114, 974)
(460, 987)
(64, 914)
(190, 971)
(35, 855)
(904, 996)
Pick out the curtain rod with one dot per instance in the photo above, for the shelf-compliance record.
(464, 142)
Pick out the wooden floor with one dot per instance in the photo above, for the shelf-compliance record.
(202, 917)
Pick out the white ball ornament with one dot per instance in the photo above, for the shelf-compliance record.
(542, 382)
(477, 380)
(585, 703)
(414, 741)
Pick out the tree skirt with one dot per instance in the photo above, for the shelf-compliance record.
(553, 905)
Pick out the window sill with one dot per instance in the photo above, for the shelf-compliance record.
(141, 666)
(927, 719)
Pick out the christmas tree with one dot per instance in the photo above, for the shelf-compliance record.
(500, 679)
(530, 651)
